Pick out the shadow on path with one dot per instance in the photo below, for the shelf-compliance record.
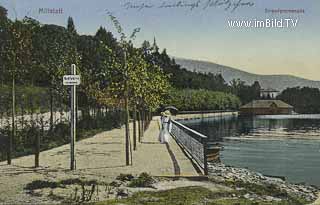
(106, 167)
(150, 143)
(174, 161)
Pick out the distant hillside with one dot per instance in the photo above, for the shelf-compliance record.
(279, 82)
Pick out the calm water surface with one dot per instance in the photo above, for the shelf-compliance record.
(272, 145)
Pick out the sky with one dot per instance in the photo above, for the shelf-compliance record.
(201, 33)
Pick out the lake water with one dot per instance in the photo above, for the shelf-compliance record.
(272, 145)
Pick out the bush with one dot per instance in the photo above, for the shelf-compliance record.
(144, 180)
(196, 100)
(125, 177)
(78, 182)
(40, 184)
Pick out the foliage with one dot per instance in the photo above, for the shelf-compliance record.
(144, 83)
(40, 184)
(29, 99)
(194, 100)
(125, 177)
(246, 93)
(180, 77)
(304, 100)
(144, 180)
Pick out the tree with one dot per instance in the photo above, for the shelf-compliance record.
(4, 37)
(199, 100)
(54, 52)
(70, 26)
(107, 38)
(120, 85)
(155, 48)
(137, 81)
(256, 90)
(245, 92)
(3, 13)
(16, 55)
(146, 48)
(305, 100)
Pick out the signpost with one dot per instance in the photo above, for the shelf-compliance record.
(72, 80)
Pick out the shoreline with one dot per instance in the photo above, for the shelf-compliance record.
(196, 116)
(220, 171)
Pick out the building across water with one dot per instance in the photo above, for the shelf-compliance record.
(269, 93)
(266, 107)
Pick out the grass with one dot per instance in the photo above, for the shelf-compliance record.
(264, 190)
(192, 195)
(270, 190)
(179, 196)
(245, 202)
(202, 196)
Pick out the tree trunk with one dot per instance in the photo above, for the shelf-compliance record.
(51, 110)
(142, 123)
(139, 126)
(134, 128)
(22, 116)
(127, 130)
(13, 131)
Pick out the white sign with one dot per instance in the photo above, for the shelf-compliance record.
(71, 80)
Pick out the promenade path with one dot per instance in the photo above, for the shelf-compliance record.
(101, 157)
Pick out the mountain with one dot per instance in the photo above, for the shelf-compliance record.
(279, 82)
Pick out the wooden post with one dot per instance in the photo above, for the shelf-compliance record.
(205, 161)
(37, 145)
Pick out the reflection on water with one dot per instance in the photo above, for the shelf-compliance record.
(271, 145)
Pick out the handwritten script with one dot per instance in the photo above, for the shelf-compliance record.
(227, 5)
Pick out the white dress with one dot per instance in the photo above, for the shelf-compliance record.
(164, 135)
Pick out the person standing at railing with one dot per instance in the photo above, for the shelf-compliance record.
(164, 135)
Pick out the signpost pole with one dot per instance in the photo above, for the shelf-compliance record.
(73, 80)
(73, 120)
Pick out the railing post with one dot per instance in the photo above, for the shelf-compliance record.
(205, 161)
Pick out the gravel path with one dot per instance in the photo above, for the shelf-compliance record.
(101, 157)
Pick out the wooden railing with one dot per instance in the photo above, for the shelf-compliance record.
(193, 142)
